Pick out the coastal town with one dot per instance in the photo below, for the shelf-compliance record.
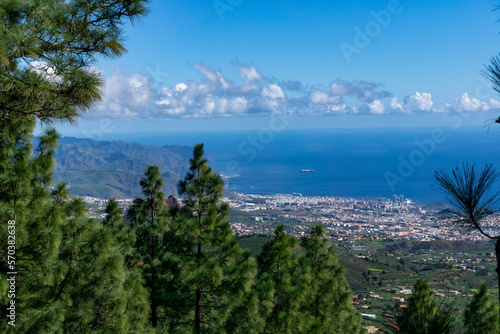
(351, 219)
(346, 219)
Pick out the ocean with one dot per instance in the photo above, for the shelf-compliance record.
(346, 163)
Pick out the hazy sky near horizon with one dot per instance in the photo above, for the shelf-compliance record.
(239, 64)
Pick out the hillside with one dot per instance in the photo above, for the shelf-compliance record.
(113, 168)
(430, 245)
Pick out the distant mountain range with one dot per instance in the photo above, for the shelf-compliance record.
(113, 168)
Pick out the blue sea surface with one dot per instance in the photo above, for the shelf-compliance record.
(347, 163)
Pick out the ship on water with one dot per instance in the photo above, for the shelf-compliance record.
(307, 170)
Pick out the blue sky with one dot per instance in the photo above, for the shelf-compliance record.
(237, 64)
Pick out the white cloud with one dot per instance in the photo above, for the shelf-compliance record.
(320, 97)
(441, 109)
(238, 105)
(494, 104)
(180, 87)
(465, 103)
(361, 91)
(395, 105)
(377, 107)
(273, 92)
(140, 91)
(43, 69)
(126, 95)
(208, 74)
(412, 104)
(250, 74)
(214, 95)
(218, 96)
(341, 88)
(418, 102)
(338, 110)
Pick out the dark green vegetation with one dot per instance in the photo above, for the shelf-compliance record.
(400, 263)
(113, 168)
(172, 270)
(254, 243)
(469, 189)
(378, 266)
(73, 274)
(455, 269)
(200, 280)
(423, 314)
(481, 315)
(177, 270)
(458, 265)
(207, 272)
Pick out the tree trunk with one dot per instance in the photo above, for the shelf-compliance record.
(197, 312)
(497, 252)
(316, 311)
(154, 314)
(154, 297)
(197, 315)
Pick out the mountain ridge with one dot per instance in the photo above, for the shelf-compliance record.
(114, 168)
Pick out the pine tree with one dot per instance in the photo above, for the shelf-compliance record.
(481, 316)
(281, 287)
(25, 198)
(208, 271)
(329, 297)
(71, 277)
(469, 190)
(248, 318)
(134, 284)
(113, 216)
(47, 48)
(423, 315)
(95, 279)
(150, 221)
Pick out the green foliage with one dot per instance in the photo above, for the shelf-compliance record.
(423, 315)
(281, 288)
(113, 169)
(134, 284)
(306, 294)
(469, 190)
(113, 214)
(46, 48)
(329, 301)
(71, 274)
(207, 273)
(150, 221)
(481, 316)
